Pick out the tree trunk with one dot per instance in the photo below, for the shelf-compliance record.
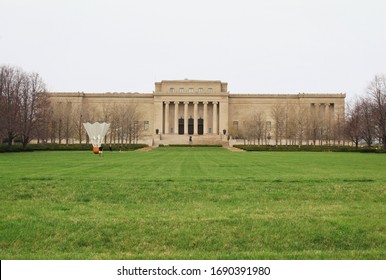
(25, 142)
(384, 143)
(10, 139)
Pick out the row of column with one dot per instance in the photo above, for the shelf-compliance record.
(195, 117)
(323, 107)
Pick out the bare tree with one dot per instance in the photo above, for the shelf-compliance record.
(79, 116)
(278, 116)
(32, 97)
(339, 127)
(10, 85)
(260, 122)
(135, 128)
(353, 123)
(301, 118)
(377, 94)
(57, 122)
(314, 128)
(366, 112)
(291, 124)
(44, 119)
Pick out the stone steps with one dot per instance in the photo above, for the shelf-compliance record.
(184, 140)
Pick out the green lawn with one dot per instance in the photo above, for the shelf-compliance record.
(192, 203)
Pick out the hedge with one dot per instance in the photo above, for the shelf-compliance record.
(308, 148)
(71, 147)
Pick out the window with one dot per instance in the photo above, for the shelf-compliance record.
(146, 125)
(190, 90)
(171, 90)
(200, 90)
(210, 90)
(181, 90)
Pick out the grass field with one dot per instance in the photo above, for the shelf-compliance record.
(192, 203)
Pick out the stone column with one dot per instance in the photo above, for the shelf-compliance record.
(167, 131)
(205, 117)
(215, 121)
(186, 117)
(176, 117)
(195, 117)
(327, 109)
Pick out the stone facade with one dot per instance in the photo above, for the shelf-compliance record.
(203, 109)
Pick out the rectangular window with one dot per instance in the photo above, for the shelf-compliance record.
(190, 90)
(181, 90)
(200, 90)
(210, 90)
(146, 125)
(171, 90)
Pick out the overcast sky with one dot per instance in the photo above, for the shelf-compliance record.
(257, 46)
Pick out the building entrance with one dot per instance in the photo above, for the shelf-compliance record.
(190, 126)
(200, 126)
(180, 126)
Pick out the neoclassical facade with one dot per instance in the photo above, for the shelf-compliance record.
(203, 109)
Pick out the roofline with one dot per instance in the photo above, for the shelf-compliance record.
(287, 95)
(191, 81)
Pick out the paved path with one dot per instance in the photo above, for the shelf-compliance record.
(233, 149)
(146, 149)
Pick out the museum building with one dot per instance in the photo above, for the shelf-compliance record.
(203, 109)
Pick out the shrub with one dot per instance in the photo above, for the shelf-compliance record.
(307, 148)
(71, 147)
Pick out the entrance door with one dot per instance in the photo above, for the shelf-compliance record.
(200, 126)
(190, 126)
(181, 126)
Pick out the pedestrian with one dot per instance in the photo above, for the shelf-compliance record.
(110, 148)
(100, 150)
(190, 140)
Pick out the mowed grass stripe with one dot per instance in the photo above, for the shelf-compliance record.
(192, 203)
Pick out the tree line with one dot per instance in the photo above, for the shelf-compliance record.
(364, 121)
(23, 103)
(27, 113)
(65, 122)
(366, 116)
(294, 124)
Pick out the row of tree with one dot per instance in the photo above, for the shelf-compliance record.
(65, 123)
(297, 124)
(294, 124)
(23, 102)
(26, 113)
(366, 116)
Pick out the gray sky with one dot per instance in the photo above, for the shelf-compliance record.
(257, 46)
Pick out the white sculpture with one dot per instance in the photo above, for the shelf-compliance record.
(96, 132)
